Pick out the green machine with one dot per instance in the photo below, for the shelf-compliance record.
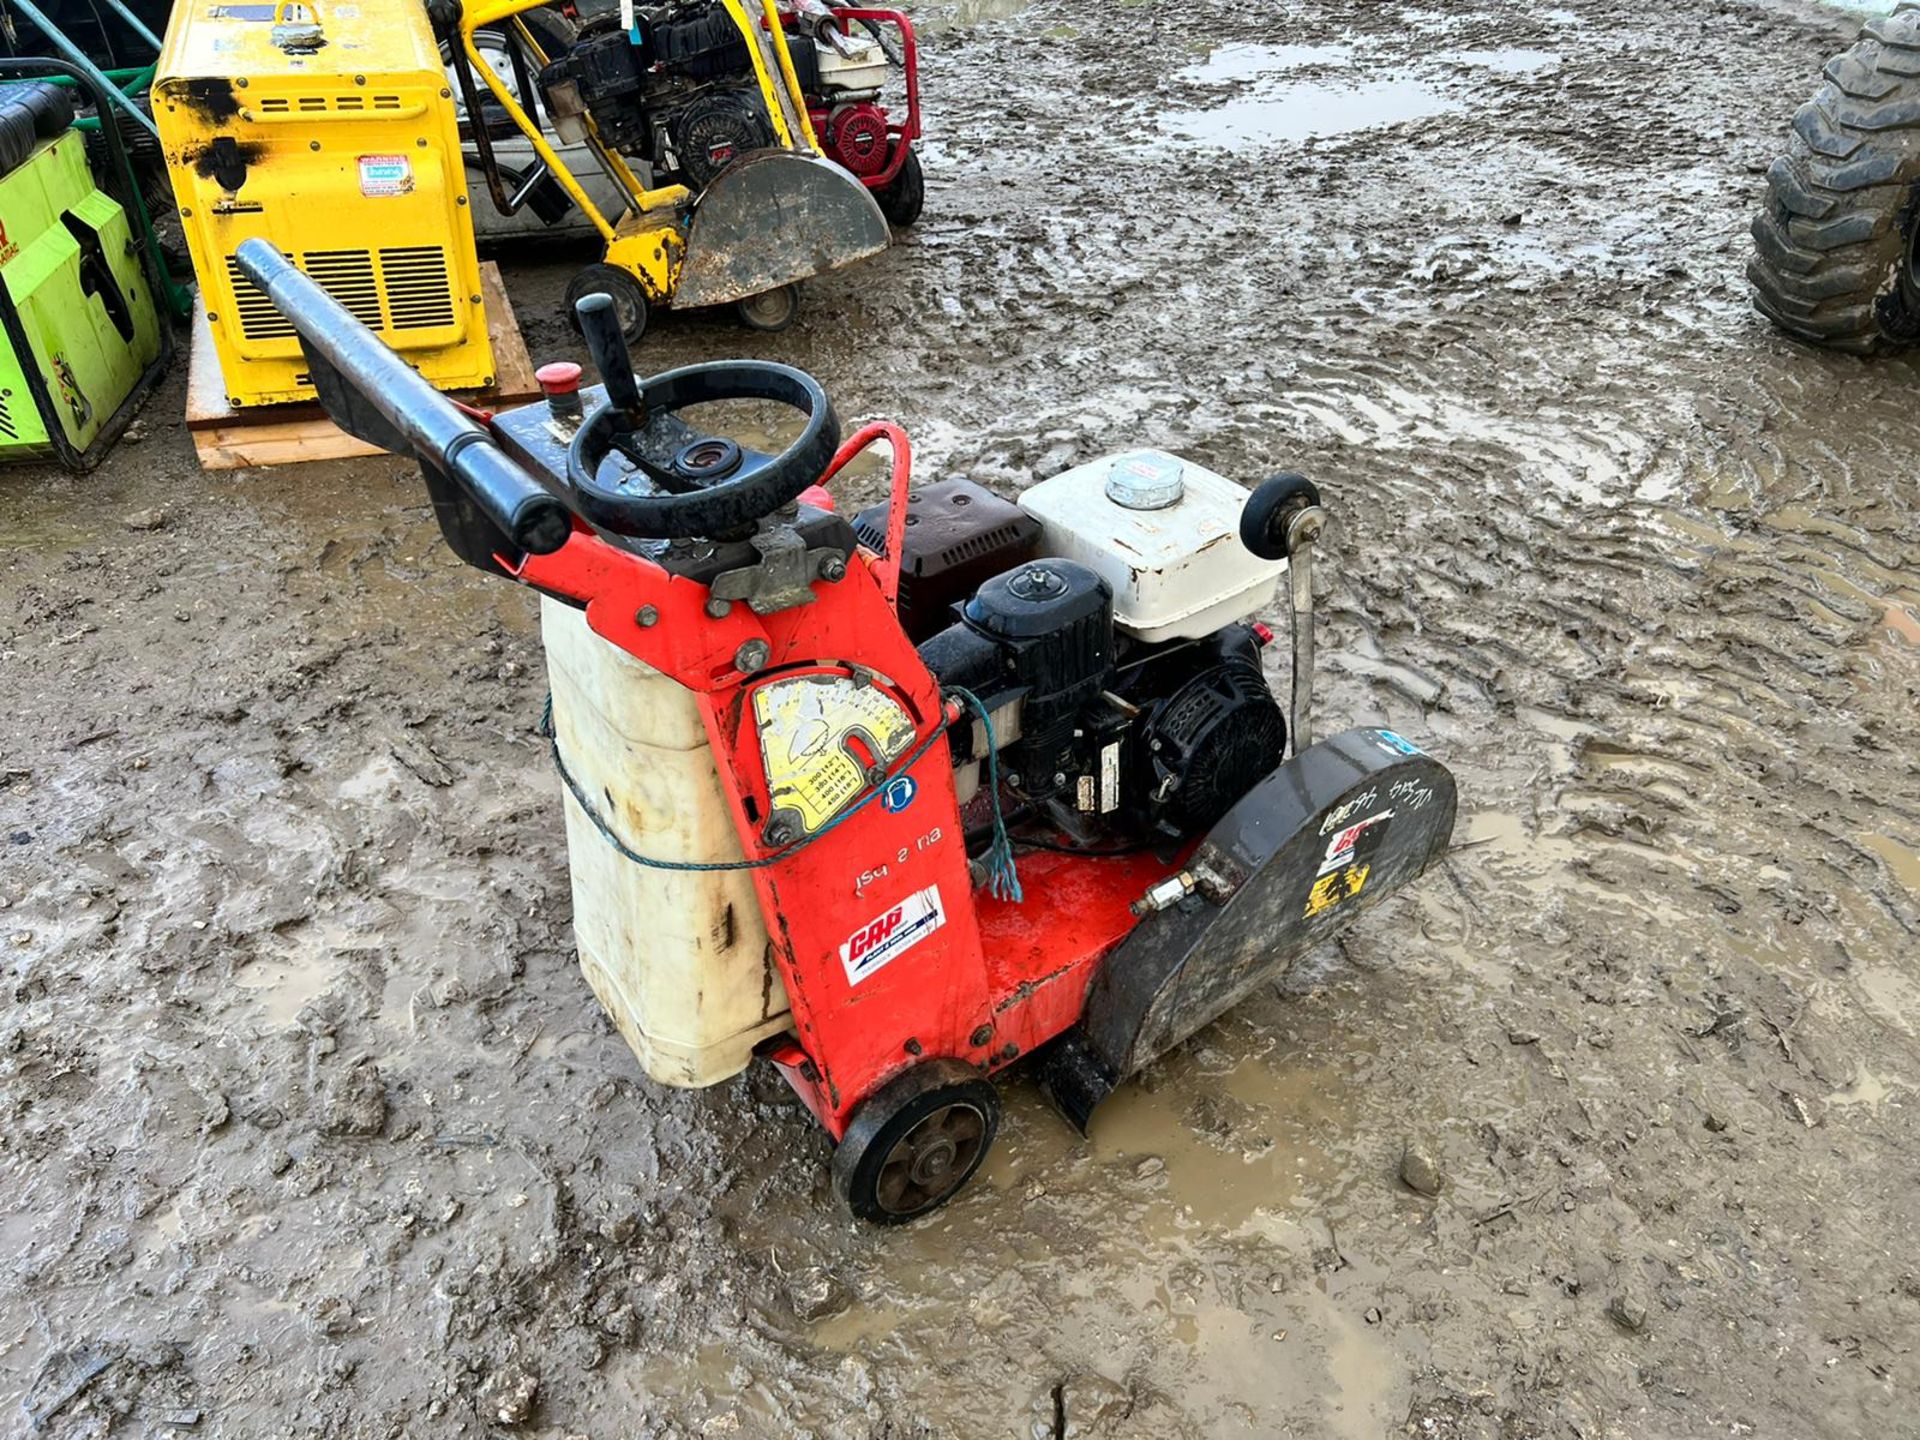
(81, 338)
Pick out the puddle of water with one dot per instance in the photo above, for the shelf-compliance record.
(375, 780)
(283, 988)
(1273, 107)
(1231, 63)
(1902, 860)
(1509, 848)
(1263, 1153)
(310, 959)
(1502, 62)
(1294, 112)
(710, 1391)
(1869, 1090)
(966, 14)
(1890, 993)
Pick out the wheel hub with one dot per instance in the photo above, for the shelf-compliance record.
(934, 1161)
(931, 1160)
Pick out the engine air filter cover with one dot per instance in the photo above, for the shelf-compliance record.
(957, 535)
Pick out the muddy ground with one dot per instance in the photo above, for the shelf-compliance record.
(310, 1125)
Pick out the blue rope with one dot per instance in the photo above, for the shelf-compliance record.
(1003, 878)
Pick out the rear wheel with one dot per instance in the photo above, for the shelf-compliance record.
(903, 197)
(771, 311)
(1837, 245)
(629, 300)
(916, 1141)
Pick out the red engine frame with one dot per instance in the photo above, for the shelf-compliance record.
(992, 980)
(903, 133)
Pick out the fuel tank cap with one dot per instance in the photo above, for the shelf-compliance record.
(1146, 481)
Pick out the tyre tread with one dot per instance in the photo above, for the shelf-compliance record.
(1831, 235)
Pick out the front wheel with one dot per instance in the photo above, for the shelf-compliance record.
(1837, 245)
(629, 299)
(916, 1141)
(903, 197)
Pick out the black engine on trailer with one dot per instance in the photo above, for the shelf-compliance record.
(678, 91)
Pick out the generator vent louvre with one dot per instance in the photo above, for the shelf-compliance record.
(6, 421)
(258, 319)
(347, 275)
(319, 104)
(412, 280)
(418, 297)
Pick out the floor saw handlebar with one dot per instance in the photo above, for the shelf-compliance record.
(373, 394)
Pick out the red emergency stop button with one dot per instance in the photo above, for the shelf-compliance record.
(560, 383)
(559, 377)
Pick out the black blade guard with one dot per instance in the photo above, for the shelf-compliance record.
(1310, 849)
(773, 218)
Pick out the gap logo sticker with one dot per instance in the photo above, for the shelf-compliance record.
(892, 934)
(1342, 849)
(899, 794)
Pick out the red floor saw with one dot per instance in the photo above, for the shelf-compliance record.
(894, 802)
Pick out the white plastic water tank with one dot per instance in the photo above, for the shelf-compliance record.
(679, 959)
(1178, 571)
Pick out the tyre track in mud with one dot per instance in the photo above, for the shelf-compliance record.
(1643, 574)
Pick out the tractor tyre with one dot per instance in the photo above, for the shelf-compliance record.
(903, 197)
(1837, 244)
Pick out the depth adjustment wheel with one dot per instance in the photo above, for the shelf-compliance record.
(669, 481)
(629, 299)
(916, 1141)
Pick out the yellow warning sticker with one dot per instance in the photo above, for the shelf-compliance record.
(1329, 890)
(820, 735)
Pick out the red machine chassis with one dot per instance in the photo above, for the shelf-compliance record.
(987, 980)
(905, 132)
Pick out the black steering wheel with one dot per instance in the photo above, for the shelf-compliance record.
(696, 486)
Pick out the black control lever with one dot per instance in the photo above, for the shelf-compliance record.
(354, 372)
(601, 326)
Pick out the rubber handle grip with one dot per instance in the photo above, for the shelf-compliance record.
(527, 513)
(600, 325)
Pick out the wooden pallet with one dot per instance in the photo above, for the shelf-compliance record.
(230, 439)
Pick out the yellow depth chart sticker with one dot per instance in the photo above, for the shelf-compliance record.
(806, 724)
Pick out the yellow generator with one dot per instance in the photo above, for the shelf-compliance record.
(329, 131)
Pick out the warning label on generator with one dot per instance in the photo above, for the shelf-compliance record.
(385, 175)
(891, 935)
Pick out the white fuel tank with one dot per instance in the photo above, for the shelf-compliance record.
(679, 959)
(1165, 534)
